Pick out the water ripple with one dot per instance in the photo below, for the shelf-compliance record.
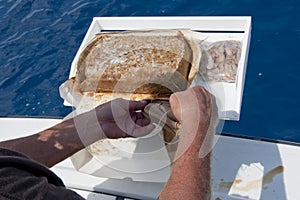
(13, 6)
(16, 57)
(56, 22)
(36, 55)
(31, 14)
(78, 2)
(9, 38)
(78, 7)
(14, 38)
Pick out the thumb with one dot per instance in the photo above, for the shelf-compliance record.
(175, 106)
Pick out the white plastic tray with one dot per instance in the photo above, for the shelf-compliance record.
(228, 95)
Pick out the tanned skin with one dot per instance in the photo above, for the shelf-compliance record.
(194, 108)
(59, 142)
(190, 175)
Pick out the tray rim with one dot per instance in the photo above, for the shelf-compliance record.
(207, 23)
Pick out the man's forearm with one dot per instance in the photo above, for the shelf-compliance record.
(190, 176)
(49, 146)
(66, 138)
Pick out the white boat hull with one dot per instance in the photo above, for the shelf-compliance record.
(280, 162)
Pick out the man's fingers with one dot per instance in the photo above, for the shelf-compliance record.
(137, 105)
(142, 122)
(112, 131)
(140, 131)
(175, 106)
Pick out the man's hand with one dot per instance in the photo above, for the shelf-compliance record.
(193, 103)
(196, 110)
(122, 118)
(117, 119)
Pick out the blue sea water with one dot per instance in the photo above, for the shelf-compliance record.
(39, 39)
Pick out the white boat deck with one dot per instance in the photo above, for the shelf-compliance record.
(280, 161)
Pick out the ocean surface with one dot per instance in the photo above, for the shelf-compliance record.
(39, 39)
